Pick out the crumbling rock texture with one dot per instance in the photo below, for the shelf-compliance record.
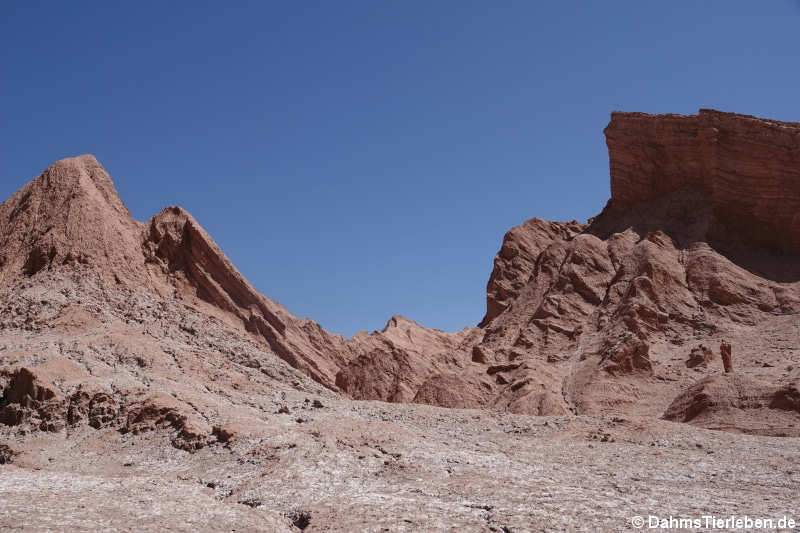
(27, 399)
(135, 350)
(514, 263)
(180, 249)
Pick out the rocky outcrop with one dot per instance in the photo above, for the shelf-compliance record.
(405, 362)
(515, 262)
(699, 356)
(736, 403)
(30, 400)
(666, 260)
(787, 398)
(163, 411)
(717, 393)
(69, 215)
(699, 239)
(175, 246)
(125, 347)
(98, 409)
(748, 167)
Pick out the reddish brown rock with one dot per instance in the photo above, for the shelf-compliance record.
(699, 356)
(98, 409)
(749, 168)
(29, 399)
(787, 398)
(7, 454)
(70, 215)
(516, 260)
(717, 393)
(144, 343)
(732, 402)
(627, 356)
(579, 318)
(725, 355)
(405, 362)
(161, 411)
(177, 247)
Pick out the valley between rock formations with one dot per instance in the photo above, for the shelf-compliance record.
(148, 386)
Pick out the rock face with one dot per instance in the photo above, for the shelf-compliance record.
(406, 362)
(516, 260)
(748, 167)
(178, 249)
(27, 399)
(698, 239)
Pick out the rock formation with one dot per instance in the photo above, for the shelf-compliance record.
(579, 317)
(70, 215)
(133, 348)
(749, 169)
(700, 355)
(725, 355)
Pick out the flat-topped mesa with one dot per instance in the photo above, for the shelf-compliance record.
(749, 168)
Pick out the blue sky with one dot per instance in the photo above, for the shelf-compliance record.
(361, 159)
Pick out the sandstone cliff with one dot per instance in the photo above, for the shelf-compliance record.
(749, 168)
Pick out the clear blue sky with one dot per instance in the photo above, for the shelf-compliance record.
(360, 159)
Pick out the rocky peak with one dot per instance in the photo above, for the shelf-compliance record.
(70, 214)
(71, 219)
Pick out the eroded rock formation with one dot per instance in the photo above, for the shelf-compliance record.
(698, 240)
(140, 371)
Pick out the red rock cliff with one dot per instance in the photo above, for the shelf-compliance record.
(749, 167)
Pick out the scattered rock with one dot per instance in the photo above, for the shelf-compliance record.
(699, 356)
(164, 411)
(30, 400)
(7, 454)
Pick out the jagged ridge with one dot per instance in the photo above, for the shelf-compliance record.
(580, 317)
